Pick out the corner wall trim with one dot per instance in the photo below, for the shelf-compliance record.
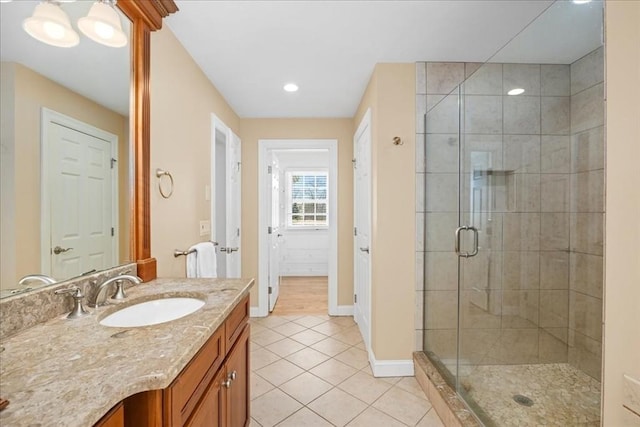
(255, 312)
(342, 310)
(390, 368)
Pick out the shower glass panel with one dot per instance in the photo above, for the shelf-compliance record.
(513, 223)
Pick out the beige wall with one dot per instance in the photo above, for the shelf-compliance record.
(391, 97)
(622, 253)
(32, 92)
(251, 130)
(180, 144)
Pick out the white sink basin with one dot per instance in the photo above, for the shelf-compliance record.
(152, 312)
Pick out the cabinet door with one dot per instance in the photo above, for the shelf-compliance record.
(211, 410)
(238, 391)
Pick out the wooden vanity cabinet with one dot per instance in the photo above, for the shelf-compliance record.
(113, 418)
(212, 390)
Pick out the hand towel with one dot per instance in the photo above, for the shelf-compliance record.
(202, 262)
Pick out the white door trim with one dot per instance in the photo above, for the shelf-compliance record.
(264, 145)
(50, 116)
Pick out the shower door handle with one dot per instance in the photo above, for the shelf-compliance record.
(475, 241)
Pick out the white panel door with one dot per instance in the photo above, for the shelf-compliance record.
(233, 206)
(274, 233)
(362, 223)
(81, 202)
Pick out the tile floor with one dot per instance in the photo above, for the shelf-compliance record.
(313, 371)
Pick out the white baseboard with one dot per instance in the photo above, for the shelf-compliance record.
(342, 310)
(390, 368)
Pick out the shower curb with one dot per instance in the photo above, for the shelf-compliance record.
(445, 401)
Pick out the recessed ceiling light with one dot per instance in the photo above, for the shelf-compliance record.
(291, 87)
(581, 1)
(517, 91)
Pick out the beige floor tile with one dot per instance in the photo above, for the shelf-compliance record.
(305, 418)
(307, 358)
(333, 371)
(402, 405)
(349, 336)
(259, 386)
(354, 357)
(285, 347)
(361, 346)
(309, 321)
(344, 321)
(411, 385)
(330, 346)
(337, 407)
(254, 423)
(365, 387)
(273, 407)
(328, 328)
(261, 357)
(288, 329)
(308, 337)
(430, 420)
(305, 387)
(291, 317)
(271, 321)
(279, 372)
(256, 328)
(371, 417)
(266, 337)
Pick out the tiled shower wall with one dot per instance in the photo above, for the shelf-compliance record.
(543, 289)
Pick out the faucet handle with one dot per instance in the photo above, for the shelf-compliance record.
(77, 295)
(119, 293)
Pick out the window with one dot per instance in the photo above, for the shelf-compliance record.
(308, 199)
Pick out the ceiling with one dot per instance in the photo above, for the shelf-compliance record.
(250, 49)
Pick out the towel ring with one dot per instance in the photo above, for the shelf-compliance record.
(160, 173)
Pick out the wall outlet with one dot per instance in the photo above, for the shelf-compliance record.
(205, 227)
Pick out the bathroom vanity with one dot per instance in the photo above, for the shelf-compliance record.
(192, 371)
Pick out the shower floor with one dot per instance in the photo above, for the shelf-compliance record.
(562, 395)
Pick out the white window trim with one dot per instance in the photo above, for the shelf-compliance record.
(287, 213)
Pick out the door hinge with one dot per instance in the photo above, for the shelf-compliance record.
(113, 162)
(354, 162)
(238, 232)
(355, 298)
(269, 169)
(269, 230)
(270, 290)
(113, 231)
(355, 231)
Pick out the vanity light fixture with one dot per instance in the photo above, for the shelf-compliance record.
(50, 24)
(103, 25)
(581, 1)
(517, 91)
(291, 87)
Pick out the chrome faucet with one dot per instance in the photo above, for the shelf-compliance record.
(119, 294)
(37, 277)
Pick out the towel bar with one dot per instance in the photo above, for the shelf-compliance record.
(177, 252)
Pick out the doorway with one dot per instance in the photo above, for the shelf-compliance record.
(297, 220)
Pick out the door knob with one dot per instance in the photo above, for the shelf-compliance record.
(229, 250)
(365, 250)
(58, 250)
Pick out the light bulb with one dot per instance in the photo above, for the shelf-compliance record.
(53, 30)
(104, 30)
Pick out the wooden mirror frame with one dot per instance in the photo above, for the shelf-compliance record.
(145, 16)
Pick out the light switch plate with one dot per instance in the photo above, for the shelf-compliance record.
(205, 227)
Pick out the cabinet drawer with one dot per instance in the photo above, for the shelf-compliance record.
(236, 321)
(185, 392)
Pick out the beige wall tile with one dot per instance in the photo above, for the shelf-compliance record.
(555, 154)
(521, 270)
(556, 115)
(555, 80)
(554, 192)
(554, 270)
(554, 231)
(443, 77)
(525, 76)
(481, 152)
(420, 230)
(481, 309)
(522, 115)
(522, 153)
(440, 309)
(516, 346)
(521, 231)
(486, 80)
(442, 153)
(475, 344)
(421, 110)
(587, 191)
(420, 193)
(483, 114)
(520, 309)
(587, 71)
(587, 109)
(523, 193)
(552, 349)
(586, 274)
(442, 342)
(421, 78)
(442, 114)
(586, 354)
(440, 231)
(554, 308)
(587, 233)
(441, 271)
(587, 149)
(420, 271)
(442, 192)
(482, 271)
(585, 315)
(420, 154)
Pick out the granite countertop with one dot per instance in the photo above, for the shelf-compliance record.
(71, 372)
